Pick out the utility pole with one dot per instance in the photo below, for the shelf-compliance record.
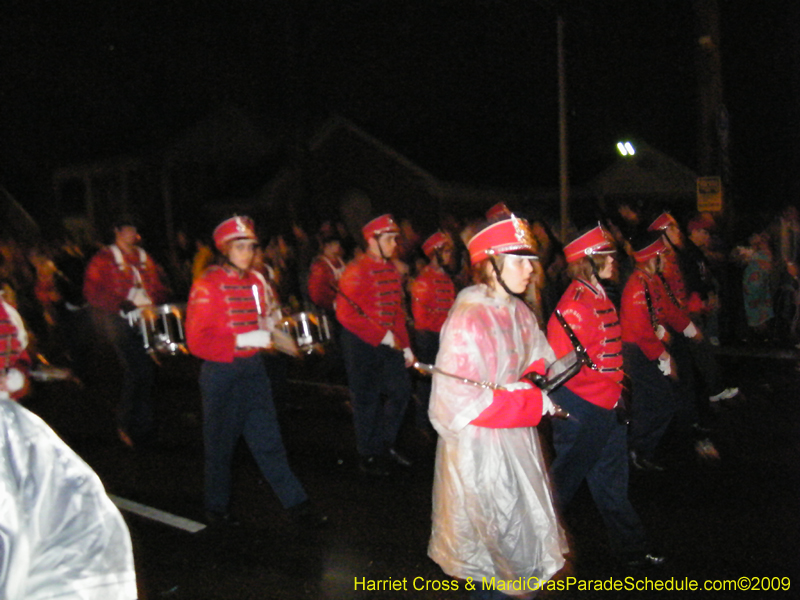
(712, 125)
(563, 150)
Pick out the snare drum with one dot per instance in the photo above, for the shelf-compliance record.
(162, 329)
(308, 332)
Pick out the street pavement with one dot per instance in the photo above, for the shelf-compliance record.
(734, 519)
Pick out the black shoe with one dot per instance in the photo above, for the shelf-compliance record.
(642, 464)
(306, 517)
(648, 560)
(398, 458)
(372, 466)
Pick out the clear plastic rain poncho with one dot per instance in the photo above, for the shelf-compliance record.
(60, 534)
(493, 512)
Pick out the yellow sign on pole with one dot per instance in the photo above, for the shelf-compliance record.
(709, 194)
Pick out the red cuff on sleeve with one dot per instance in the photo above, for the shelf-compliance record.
(536, 366)
(518, 408)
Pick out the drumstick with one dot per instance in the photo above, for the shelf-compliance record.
(258, 301)
(280, 340)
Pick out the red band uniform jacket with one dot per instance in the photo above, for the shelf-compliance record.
(593, 318)
(432, 296)
(107, 284)
(370, 301)
(323, 281)
(222, 305)
(640, 320)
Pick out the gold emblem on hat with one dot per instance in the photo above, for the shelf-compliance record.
(522, 232)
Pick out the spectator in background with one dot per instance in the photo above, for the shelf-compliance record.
(699, 275)
(757, 287)
(787, 302)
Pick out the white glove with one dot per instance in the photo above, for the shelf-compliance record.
(690, 331)
(660, 332)
(519, 385)
(258, 338)
(388, 339)
(15, 380)
(408, 355)
(664, 364)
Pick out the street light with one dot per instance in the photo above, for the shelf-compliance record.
(626, 148)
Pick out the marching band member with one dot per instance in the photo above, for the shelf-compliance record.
(327, 268)
(376, 346)
(432, 295)
(592, 443)
(228, 321)
(696, 357)
(651, 322)
(691, 301)
(14, 360)
(493, 514)
(119, 279)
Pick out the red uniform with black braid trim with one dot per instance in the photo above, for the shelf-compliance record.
(593, 317)
(370, 301)
(323, 281)
(13, 355)
(673, 278)
(636, 316)
(221, 306)
(432, 295)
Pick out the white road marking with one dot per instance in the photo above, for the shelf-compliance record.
(157, 515)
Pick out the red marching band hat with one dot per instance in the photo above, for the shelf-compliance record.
(510, 236)
(663, 221)
(594, 241)
(437, 240)
(649, 250)
(234, 228)
(498, 211)
(379, 226)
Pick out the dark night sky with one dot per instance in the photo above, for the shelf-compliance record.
(465, 88)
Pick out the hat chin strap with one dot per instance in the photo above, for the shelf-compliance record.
(377, 239)
(595, 272)
(500, 277)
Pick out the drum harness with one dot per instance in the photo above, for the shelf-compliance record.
(138, 284)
